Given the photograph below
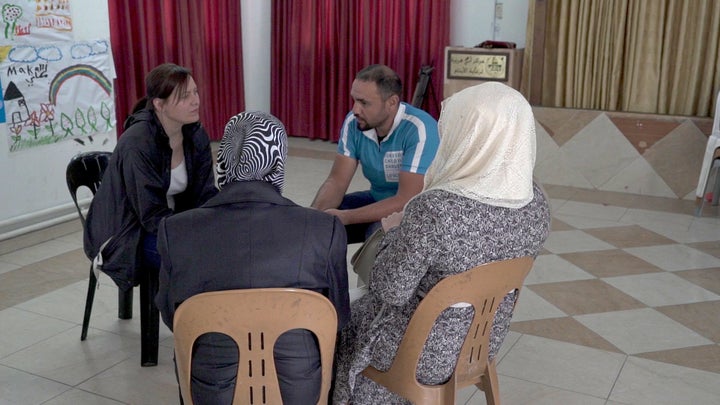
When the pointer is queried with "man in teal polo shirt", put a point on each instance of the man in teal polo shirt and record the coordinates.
(392, 140)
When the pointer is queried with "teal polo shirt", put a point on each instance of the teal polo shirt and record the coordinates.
(409, 147)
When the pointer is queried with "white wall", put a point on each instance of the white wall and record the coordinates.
(474, 21)
(256, 16)
(33, 192)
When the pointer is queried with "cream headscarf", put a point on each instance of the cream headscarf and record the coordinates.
(487, 146)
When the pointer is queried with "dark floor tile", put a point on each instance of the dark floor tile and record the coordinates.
(610, 263)
(585, 297)
(711, 248)
(708, 279)
(701, 317)
(565, 329)
(39, 278)
(705, 358)
(629, 236)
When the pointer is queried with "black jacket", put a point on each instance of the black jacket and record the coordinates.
(132, 197)
(249, 236)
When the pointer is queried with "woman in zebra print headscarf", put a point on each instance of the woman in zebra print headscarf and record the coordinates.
(250, 236)
(253, 147)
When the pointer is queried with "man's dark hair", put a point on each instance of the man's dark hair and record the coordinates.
(387, 81)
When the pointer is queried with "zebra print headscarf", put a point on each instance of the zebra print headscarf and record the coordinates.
(253, 147)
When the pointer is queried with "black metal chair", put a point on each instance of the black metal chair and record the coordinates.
(86, 170)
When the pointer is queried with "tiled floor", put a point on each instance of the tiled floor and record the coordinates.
(622, 307)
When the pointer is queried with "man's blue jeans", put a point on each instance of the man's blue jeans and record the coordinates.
(357, 233)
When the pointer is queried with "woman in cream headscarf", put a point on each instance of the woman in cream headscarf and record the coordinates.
(479, 205)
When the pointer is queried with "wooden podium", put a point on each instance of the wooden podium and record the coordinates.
(465, 67)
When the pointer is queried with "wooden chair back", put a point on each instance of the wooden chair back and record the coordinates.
(255, 318)
(484, 287)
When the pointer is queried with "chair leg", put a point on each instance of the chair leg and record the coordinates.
(92, 285)
(125, 304)
(490, 385)
(716, 189)
(698, 206)
(149, 318)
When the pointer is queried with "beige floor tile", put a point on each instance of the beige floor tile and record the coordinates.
(565, 366)
(642, 133)
(585, 297)
(75, 397)
(558, 225)
(6, 267)
(639, 178)
(675, 257)
(39, 252)
(627, 200)
(629, 236)
(556, 167)
(19, 387)
(582, 222)
(574, 241)
(650, 382)
(641, 330)
(311, 153)
(698, 357)
(708, 279)
(23, 329)
(531, 306)
(565, 329)
(711, 248)
(599, 161)
(677, 157)
(552, 268)
(66, 359)
(592, 210)
(702, 317)
(39, 278)
(609, 263)
(129, 383)
(664, 288)
(515, 391)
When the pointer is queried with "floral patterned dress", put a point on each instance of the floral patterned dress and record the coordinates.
(441, 234)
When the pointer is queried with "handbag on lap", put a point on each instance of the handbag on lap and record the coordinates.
(362, 261)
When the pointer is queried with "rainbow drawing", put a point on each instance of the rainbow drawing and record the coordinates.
(78, 70)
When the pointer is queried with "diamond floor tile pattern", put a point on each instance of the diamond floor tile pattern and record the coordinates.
(585, 297)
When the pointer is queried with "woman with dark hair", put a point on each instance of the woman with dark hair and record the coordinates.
(162, 164)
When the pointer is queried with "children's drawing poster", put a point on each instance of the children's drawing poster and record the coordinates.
(56, 91)
(35, 21)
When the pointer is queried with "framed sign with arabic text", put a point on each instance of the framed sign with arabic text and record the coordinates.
(477, 65)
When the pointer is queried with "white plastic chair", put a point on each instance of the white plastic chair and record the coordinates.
(710, 163)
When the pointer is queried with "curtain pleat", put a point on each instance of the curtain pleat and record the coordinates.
(319, 45)
(202, 36)
(652, 56)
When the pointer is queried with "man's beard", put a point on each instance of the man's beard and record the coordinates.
(362, 126)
